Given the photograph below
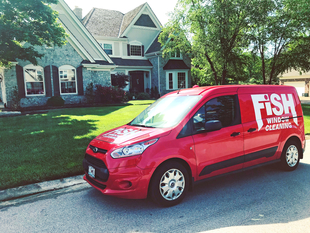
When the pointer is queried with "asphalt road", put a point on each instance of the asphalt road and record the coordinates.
(260, 200)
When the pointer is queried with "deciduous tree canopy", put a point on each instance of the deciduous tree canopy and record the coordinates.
(238, 40)
(25, 24)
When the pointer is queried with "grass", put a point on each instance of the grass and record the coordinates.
(306, 111)
(49, 146)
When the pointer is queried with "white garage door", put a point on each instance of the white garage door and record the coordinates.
(300, 86)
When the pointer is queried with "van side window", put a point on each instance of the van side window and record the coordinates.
(222, 108)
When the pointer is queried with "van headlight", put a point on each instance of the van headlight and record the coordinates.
(135, 149)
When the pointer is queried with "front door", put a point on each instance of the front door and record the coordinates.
(218, 151)
(137, 81)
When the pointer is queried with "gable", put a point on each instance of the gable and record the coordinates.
(79, 37)
(145, 21)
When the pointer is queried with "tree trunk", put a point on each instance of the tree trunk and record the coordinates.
(224, 73)
(212, 68)
(263, 64)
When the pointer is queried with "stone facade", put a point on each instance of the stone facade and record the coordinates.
(56, 56)
(159, 70)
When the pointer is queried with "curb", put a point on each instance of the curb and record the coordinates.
(36, 188)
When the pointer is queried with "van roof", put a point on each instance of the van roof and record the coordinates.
(227, 88)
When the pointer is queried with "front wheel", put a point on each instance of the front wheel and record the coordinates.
(291, 155)
(169, 184)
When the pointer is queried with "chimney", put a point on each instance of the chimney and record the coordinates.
(78, 12)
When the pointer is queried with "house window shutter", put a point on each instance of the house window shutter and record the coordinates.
(128, 49)
(48, 81)
(79, 73)
(20, 81)
(142, 52)
(56, 80)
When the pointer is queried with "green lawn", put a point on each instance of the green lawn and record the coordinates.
(49, 146)
(306, 111)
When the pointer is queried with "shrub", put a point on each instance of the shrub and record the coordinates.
(143, 96)
(154, 93)
(128, 96)
(90, 93)
(109, 94)
(15, 102)
(120, 80)
(55, 101)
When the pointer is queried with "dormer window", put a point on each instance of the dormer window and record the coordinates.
(175, 54)
(136, 50)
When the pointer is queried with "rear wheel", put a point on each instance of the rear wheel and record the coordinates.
(169, 184)
(291, 155)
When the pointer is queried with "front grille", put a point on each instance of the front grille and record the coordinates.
(103, 151)
(101, 172)
(95, 183)
(95, 161)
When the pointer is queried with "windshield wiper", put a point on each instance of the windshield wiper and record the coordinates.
(144, 126)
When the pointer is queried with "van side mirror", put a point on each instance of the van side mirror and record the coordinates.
(213, 125)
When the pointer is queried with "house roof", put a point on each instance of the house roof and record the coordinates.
(155, 46)
(101, 22)
(128, 17)
(110, 23)
(97, 62)
(79, 37)
(176, 65)
(131, 62)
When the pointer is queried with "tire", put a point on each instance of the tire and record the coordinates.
(291, 155)
(169, 184)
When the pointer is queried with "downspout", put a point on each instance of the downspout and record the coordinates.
(158, 73)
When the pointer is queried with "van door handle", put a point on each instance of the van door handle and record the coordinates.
(251, 130)
(235, 134)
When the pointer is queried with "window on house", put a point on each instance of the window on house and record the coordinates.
(108, 48)
(67, 79)
(135, 50)
(34, 80)
(175, 54)
(170, 81)
(181, 80)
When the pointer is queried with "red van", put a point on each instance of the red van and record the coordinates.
(194, 134)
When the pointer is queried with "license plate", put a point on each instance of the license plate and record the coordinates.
(91, 171)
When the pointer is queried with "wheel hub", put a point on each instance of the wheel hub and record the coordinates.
(292, 155)
(172, 184)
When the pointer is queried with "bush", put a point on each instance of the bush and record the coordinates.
(90, 93)
(154, 93)
(120, 80)
(15, 102)
(143, 96)
(128, 96)
(108, 95)
(55, 101)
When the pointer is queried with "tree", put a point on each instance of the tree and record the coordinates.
(217, 30)
(280, 35)
(26, 24)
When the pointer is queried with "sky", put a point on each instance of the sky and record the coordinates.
(161, 8)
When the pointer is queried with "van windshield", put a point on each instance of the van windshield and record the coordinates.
(166, 112)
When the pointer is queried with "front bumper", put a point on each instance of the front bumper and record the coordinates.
(124, 182)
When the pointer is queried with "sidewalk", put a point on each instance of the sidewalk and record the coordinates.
(42, 187)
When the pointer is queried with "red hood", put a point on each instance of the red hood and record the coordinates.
(131, 134)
